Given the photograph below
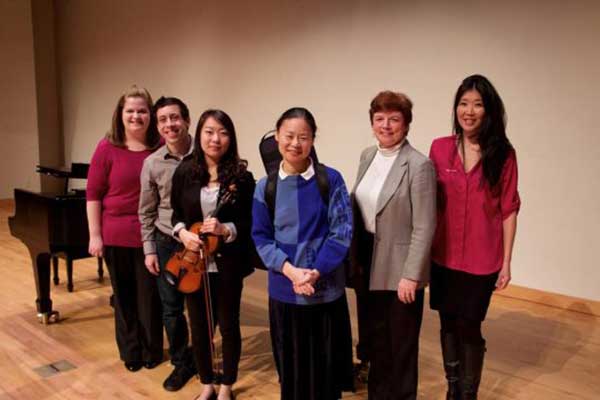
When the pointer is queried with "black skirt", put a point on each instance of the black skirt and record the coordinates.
(312, 347)
(459, 293)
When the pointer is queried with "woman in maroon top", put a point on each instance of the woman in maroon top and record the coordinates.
(478, 203)
(113, 189)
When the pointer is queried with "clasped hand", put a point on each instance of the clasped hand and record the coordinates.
(303, 280)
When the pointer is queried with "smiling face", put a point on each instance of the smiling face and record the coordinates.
(295, 139)
(470, 112)
(171, 125)
(389, 128)
(135, 116)
(214, 140)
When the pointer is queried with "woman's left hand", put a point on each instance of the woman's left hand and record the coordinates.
(406, 290)
(214, 227)
(503, 276)
(307, 287)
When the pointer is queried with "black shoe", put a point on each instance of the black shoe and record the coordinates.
(151, 364)
(177, 379)
(133, 365)
(361, 371)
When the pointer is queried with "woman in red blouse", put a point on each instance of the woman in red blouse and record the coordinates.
(478, 203)
(113, 192)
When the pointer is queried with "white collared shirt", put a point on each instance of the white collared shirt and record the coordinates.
(309, 173)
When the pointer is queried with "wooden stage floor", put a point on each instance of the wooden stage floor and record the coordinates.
(534, 351)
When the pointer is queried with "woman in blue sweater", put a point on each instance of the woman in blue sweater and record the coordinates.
(304, 245)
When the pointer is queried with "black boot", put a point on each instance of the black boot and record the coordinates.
(451, 364)
(471, 364)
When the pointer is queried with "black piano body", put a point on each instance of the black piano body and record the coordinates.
(50, 225)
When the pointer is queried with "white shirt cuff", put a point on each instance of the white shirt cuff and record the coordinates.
(232, 231)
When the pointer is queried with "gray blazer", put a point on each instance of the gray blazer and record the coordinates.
(405, 221)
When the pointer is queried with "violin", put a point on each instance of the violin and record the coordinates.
(186, 268)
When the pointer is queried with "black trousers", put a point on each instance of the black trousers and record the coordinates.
(394, 347)
(361, 290)
(225, 297)
(138, 325)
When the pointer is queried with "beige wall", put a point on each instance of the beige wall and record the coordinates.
(18, 134)
(50, 138)
(255, 59)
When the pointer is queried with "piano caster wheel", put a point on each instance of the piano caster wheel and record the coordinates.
(48, 318)
(70, 287)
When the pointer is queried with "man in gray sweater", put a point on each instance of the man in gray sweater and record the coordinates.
(173, 121)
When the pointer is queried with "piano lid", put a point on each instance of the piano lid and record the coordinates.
(76, 171)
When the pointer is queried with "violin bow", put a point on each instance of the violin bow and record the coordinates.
(226, 197)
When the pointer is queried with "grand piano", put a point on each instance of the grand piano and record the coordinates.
(52, 225)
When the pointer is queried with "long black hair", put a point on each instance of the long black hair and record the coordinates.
(230, 167)
(495, 146)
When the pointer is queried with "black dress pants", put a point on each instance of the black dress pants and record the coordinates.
(138, 325)
(394, 346)
(225, 296)
(361, 290)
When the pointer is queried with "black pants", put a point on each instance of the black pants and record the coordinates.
(394, 350)
(225, 298)
(138, 326)
(361, 290)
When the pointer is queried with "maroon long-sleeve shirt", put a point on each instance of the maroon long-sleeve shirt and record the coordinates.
(114, 180)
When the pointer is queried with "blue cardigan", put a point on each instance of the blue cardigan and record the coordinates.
(306, 232)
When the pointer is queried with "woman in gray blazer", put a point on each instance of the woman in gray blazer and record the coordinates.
(394, 221)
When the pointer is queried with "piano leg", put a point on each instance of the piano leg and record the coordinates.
(100, 270)
(69, 274)
(55, 269)
(41, 273)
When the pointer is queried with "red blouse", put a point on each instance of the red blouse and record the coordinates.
(114, 180)
(468, 236)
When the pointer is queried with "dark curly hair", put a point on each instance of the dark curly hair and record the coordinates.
(495, 146)
(231, 167)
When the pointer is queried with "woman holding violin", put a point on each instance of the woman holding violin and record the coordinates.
(215, 178)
